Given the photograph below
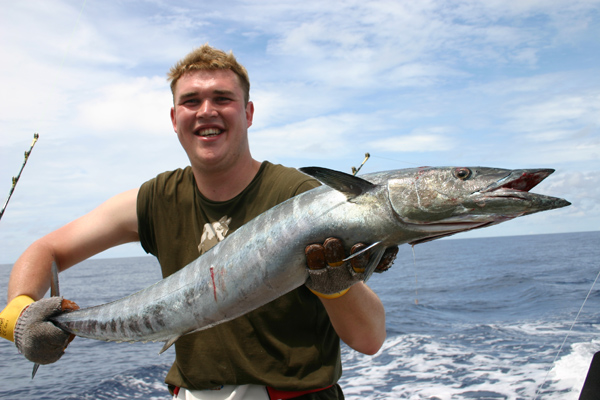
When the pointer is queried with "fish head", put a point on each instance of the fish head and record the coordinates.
(444, 201)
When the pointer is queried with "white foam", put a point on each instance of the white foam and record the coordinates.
(570, 370)
(423, 367)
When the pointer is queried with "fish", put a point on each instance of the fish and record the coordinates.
(265, 258)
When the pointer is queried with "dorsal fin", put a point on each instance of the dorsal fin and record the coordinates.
(351, 186)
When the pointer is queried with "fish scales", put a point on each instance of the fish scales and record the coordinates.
(264, 259)
(244, 268)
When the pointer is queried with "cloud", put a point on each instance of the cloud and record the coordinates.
(564, 111)
(581, 188)
(359, 44)
(139, 106)
(279, 103)
(510, 84)
(430, 140)
(313, 138)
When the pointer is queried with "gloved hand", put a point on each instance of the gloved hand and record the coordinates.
(38, 339)
(330, 277)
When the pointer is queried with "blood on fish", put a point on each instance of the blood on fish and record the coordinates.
(212, 276)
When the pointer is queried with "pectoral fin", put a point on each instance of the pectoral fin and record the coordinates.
(168, 344)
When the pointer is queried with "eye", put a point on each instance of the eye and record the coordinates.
(222, 100)
(462, 173)
(190, 102)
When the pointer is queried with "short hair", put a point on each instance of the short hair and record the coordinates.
(207, 58)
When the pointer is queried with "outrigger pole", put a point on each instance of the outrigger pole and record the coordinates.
(15, 179)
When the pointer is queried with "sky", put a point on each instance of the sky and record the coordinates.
(510, 84)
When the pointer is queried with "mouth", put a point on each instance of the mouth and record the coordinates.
(501, 198)
(444, 229)
(208, 132)
(519, 181)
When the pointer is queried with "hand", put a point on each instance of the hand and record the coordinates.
(38, 339)
(331, 277)
(386, 262)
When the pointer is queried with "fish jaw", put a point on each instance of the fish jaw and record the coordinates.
(510, 196)
(438, 202)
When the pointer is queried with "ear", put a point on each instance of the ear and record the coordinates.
(173, 119)
(249, 113)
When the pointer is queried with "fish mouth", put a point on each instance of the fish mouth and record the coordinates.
(504, 199)
(449, 228)
(518, 181)
(517, 185)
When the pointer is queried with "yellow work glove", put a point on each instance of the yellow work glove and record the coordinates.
(36, 337)
(10, 315)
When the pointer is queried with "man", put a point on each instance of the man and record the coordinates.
(289, 347)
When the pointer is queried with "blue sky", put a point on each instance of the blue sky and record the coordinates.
(490, 83)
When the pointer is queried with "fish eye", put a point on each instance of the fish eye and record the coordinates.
(462, 173)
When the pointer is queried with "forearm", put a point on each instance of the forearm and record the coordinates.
(112, 223)
(358, 317)
(31, 273)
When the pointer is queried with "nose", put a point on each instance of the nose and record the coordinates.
(206, 110)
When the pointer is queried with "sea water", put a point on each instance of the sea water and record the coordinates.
(488, 318)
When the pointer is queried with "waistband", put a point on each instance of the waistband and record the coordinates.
(273, 394)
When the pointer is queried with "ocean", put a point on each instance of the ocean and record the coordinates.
(487, 318)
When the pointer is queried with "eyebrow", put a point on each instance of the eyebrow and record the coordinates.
(188, 95)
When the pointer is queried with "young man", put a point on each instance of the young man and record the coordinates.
(291, 344)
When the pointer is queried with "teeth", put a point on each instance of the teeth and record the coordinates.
(209, 132)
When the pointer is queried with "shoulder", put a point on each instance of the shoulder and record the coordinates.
(159, 204)
(289, 180)
(169, 183)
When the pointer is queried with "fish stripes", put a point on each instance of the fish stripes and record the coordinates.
(264, 259)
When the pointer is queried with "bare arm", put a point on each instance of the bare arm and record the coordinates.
(358, 317)
(112, 223)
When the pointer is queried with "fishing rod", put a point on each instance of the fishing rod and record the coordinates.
(15, 179)
(354, 170)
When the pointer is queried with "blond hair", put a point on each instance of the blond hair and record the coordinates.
(207, 58)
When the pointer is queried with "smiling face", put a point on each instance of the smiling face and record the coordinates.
(211, 119)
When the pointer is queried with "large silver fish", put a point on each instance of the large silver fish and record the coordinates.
(265, 259)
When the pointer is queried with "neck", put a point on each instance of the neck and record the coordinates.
(223, 185)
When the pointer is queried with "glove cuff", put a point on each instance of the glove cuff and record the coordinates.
(330, 296)
(10, 315)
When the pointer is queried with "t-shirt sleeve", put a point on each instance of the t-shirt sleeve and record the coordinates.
(144, 214)
(307, 185)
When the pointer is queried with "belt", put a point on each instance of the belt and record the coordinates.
(275, 394)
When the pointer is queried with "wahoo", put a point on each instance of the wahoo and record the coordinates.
(264, 259)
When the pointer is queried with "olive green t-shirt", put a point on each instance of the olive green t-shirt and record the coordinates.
(288, 344)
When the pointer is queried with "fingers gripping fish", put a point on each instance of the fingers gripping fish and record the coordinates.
(264, 259)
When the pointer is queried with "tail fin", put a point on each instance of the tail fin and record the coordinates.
(54, 291)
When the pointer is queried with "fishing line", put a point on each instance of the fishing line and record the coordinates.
(15, 179)
(398, 161)
(416, 276)
(36, 136)
(567, 336)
